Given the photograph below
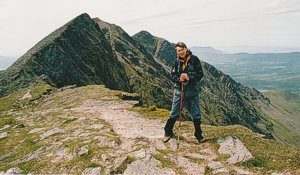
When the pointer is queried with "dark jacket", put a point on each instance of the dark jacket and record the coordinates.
(195, 73)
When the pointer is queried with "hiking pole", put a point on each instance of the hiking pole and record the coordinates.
(180, 110)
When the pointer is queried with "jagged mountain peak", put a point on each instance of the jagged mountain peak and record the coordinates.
(144, 33)
(76, 53)
(160, 48)
(146, 36)
(83, 18)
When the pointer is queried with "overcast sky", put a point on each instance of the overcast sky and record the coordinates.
(222, 24)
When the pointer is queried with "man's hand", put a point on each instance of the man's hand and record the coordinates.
(184, 77)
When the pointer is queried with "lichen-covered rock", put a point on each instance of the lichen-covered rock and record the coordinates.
(35, 130)
(142, 153)
(119, 161)
(186, 165)
(147, 165)
(83, 150)
(241, 171)
(12, 171)
(5, 127)
(51, 132)
(235, 149)
(3, 135)
(92, 171)
(32, 155)
(217, 167)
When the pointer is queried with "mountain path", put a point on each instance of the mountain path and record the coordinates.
(132, 126)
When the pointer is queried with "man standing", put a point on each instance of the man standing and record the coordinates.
(187, 68)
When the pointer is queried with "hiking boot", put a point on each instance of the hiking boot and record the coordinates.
(167, 138)
(169, 129)
(198, 131)
(169, 126)
(200, 138)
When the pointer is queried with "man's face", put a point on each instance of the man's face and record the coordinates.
(181, 52)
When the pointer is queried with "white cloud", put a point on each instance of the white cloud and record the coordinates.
(262, 23)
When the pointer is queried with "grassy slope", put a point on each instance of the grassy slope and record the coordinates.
(285, 115)
(48, 113)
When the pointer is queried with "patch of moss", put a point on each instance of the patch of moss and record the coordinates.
(152, 112)
(41, 88)
(256, 162)
(69, 121)
(7, 120)
(166, 163)
(93, 165)
(10, 101)
(222, 157)
(123, 166)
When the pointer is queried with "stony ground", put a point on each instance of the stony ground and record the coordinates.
(90, 130)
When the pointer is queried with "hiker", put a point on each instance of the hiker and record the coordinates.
(187, 69)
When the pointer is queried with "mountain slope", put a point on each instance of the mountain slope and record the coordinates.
(285, 114)
(160, 48)
(76, 53)
(146, 76)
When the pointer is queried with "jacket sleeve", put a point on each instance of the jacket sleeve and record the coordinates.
(197, 74)
(174, 72)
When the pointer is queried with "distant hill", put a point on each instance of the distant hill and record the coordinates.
(263, 71)
(199, 50)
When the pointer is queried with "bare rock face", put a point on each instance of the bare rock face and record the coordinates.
(242, 171)
(15, 170)
(235, 148)
(60, 154)
(96, 126)
(83, 150)
(3, 135)
(119, 161)
(30, 156)
(147, 165)
(92, 171)
(172, 144)
(35, 130)
(142, 153)
(51, 132)
(27, 95)
(217, 167)
(5, 126)
(186, 165)
(5, 156)
(104, 142)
